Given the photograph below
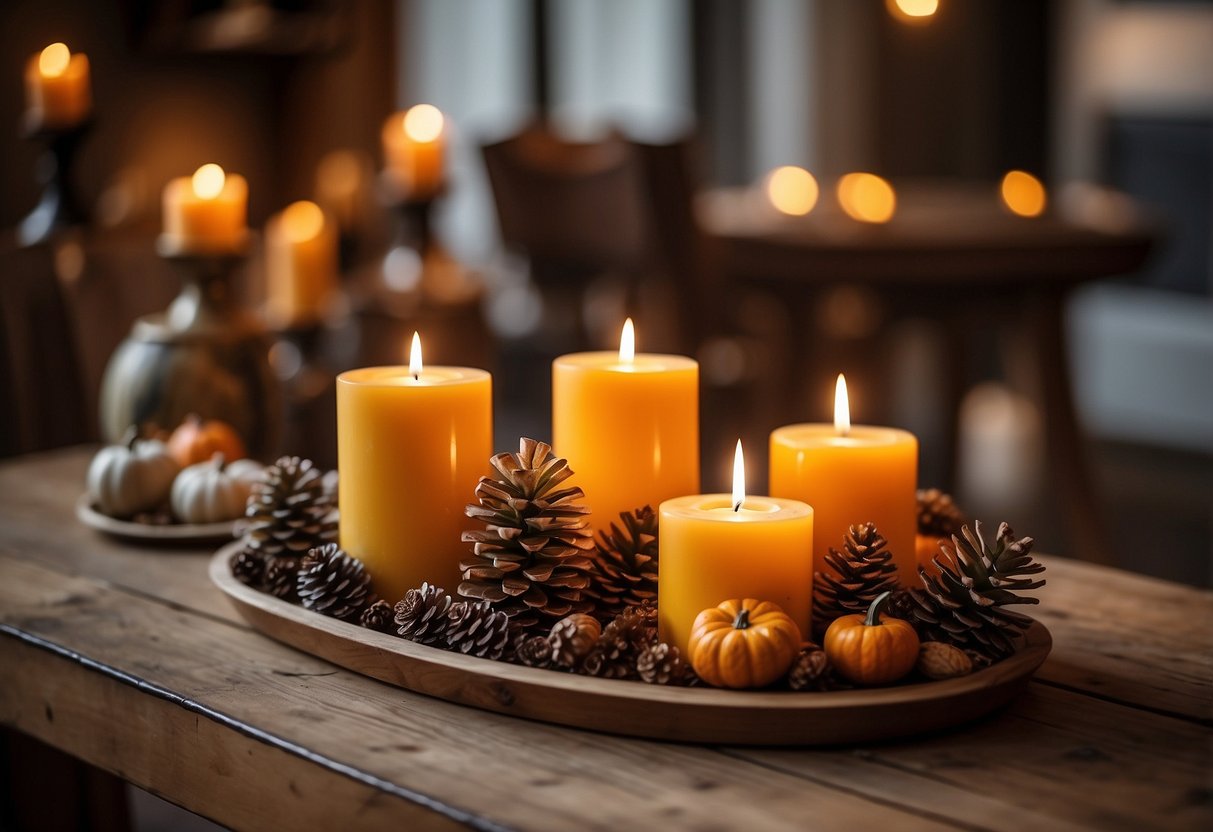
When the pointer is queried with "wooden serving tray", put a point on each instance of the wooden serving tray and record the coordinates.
(702, 715)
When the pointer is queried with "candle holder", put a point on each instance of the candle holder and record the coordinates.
(59, 207)
(204, 354)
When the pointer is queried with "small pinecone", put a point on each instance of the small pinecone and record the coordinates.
(534, 651)
(938, 514)
(662, 664)
(421, 615)
(333, 583)
(855, 577)
(811, 670)
(614, 657)
(966, 604)
(625, 568)
(248, 567)
(901, 605)
(378, 616)
(476, 628)
(573, 637)
(281, 578)
(289, 512)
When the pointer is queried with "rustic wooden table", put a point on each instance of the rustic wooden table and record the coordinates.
(129, 659)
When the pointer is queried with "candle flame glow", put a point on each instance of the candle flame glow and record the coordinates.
(792, 190)
(914, 8)
(1023, 194)
(302, 220)
(842, 407)
(866, 197)
(415, 365)
(423, 123)
(738, 477)
(208, 181)
(54, 60)
(627, 343)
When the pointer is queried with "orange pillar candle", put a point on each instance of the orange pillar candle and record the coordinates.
(300, 265)
(629, 426)
(414, 146)
(206, 213)
(850, 475)
(57, 88)
(720, 546)
(412, 442)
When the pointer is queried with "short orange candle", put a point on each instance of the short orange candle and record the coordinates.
(720, 546)
(851, 475)
(300, 265)
(206, 213)
(57, 87)
(414, 147)
(412, 442)
(629, 426)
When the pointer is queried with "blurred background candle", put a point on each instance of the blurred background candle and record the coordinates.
(629, 426)
(414, 148)
(850, 475)
(411, 444)
(720, 546)
(300, 264)
(206, 213)
(57, 88)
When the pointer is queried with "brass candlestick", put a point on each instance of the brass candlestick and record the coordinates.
(58, 207)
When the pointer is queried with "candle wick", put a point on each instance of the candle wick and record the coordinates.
(737, 505)
(416, 376)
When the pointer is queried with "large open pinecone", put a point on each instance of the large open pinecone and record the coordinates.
(289, 511)
(421, 614)
(625, 567)
(478, 629)
(863, 570)
(531, 561)
(333, 583)
(967, 603)
(938, 514)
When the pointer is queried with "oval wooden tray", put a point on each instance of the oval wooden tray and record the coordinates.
(701, 715)
(167, 533)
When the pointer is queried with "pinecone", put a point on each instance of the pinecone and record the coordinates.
(901, 605)
(531, 562)
(534, 651)
(248, 567)
(421, 614)
(333, 583)
(478, 629)
(281, 578)
(625, 569)
(856, 576)
(378, 616)
(938, 514)
(614, 657)
(289, 511)
(662, 664)
(967, 603)
(811, 670)
(573, 637)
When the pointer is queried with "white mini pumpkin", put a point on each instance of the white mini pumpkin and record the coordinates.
(131, 477)
(212, 491)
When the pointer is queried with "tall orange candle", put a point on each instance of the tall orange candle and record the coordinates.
(300, 264)
(58, 91)
(850, 475)
(720, 546)
(414, 147)
(206, 213)
(629, 426)
(412, 442)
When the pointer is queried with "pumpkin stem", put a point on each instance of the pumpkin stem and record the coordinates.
(219, 460)
(130, 437)
(742, 621)
(873, 619)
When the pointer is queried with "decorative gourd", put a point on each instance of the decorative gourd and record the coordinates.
(197, 441)
(870, 651)
(211, 492)
(131, 477)
(743, 644)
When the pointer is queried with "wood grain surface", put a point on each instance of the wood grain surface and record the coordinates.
(130, 659)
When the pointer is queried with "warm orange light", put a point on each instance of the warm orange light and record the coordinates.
(302, 221)
(792, 190)
(54, 60)
(423, 123)
(415, 364)
(866, 197)
(842, 407)
(208, 181)
(627, 343)
(1023, 194)
(916, 9)
(738, 477)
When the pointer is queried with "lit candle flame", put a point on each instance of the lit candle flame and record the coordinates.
(208, 181)
(627, 343)
(302, 221)
(738, 477)
(423, 123)
(842, 407)
(792, 190)
(415, 357)
(866, 197)
(914, 8)
(1023, 194)
(54, 60)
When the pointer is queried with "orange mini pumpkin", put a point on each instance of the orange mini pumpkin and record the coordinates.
(197, 441)
(743, 644)
(869, 651)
